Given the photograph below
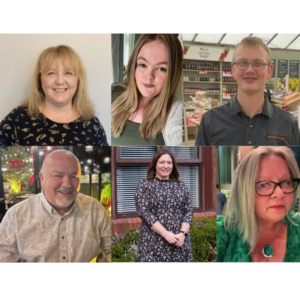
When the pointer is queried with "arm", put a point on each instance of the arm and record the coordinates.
(8, 130)
(187, 219)
(172, 131)
(100, 134)
(202, 135)
(295, 133)
(105, 234)
(142, 207)
(8, 238)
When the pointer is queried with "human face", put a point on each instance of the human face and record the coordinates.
(273, 208)
(151, 69)
(251, 81)
(59, 84)
(164, 167)
(60, 181)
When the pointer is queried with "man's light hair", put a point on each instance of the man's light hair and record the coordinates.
(252, 42)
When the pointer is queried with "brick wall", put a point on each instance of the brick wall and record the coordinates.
(121, 225)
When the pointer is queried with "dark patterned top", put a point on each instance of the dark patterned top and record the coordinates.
(232, 248)
(169, 203)
(17, 128)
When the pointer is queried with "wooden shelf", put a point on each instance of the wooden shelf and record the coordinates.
(190, 70)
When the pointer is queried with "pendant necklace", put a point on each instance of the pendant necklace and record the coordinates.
(268, 250)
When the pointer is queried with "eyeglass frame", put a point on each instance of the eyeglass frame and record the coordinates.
(250, 63)
(278, 184)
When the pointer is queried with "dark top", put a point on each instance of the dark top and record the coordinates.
(131, 136)
(169, 203)
(17, 128)
(232, 248)
(228, 125)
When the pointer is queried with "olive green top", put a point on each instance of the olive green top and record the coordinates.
(131, 136)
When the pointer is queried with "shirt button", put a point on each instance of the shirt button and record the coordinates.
(62, 219)
(62, 237)
(251, 126)
(64, 257)
(249, 143)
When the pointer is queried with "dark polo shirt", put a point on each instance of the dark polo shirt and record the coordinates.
(228, 125)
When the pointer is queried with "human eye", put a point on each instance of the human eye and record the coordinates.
(263, 185)
(161, 69)
(141, 65)
(258, 64)
(50, 73)
(286, 183)
(242, 64)
(58, 175)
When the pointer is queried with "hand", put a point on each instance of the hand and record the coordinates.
(180, 239)
(170, 237)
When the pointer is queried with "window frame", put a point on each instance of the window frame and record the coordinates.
(206, 175)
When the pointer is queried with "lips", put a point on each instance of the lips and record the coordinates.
(60, 90)
(250, 79)
(277, 207)
(148, 86)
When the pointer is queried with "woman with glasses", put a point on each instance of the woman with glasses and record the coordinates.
(260, 218)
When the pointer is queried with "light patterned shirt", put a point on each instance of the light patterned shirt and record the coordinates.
(33, 231)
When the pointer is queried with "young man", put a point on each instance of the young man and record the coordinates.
(249, 119)
(59, 224)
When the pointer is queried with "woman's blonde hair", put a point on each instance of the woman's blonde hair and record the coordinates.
(240, 209)
(81, 101)
(156, 113)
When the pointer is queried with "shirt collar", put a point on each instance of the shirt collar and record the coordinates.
(236, 108)
(50, 209)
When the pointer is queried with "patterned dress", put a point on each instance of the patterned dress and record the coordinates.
(17, 128)
(169, 203)
(232, 248)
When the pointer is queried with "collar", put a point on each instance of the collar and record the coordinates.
(162, 180)
(47, 206)
(236, 108)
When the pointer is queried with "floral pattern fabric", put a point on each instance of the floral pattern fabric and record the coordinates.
(232, 248)
(17, 128)
(169, 203)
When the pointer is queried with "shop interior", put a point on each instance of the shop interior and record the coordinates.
(20, 167)
(207, 81)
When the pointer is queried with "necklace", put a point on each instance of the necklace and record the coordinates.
(268, 250)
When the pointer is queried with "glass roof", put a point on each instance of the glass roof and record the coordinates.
(273, 40)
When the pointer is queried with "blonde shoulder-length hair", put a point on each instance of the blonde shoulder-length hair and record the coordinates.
(156, 113)
(240, 209)
(81, 101)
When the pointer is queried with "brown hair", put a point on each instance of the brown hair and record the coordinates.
(81, 101)
(174, 176)
(252, 42)
(156, 113)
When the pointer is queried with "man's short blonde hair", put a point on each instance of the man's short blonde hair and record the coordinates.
(252, 42)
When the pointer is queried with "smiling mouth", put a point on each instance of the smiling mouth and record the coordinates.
(60, 90)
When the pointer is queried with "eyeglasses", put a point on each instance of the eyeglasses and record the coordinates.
(267, 188)
(243, 65)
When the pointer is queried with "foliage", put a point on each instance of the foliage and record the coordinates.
(203, 235)
(18, 164)
(202, 232)
(124, 246)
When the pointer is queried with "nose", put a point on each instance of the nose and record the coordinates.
(149, 74)
(60, 79)
(66, 183)
(250, 68)
(278, 192)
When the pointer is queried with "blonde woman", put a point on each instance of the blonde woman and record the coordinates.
(58, 110)
(260, 223)
(146, 112)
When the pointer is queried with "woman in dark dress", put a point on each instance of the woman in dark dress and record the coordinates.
(163, 203)
(58, 110)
